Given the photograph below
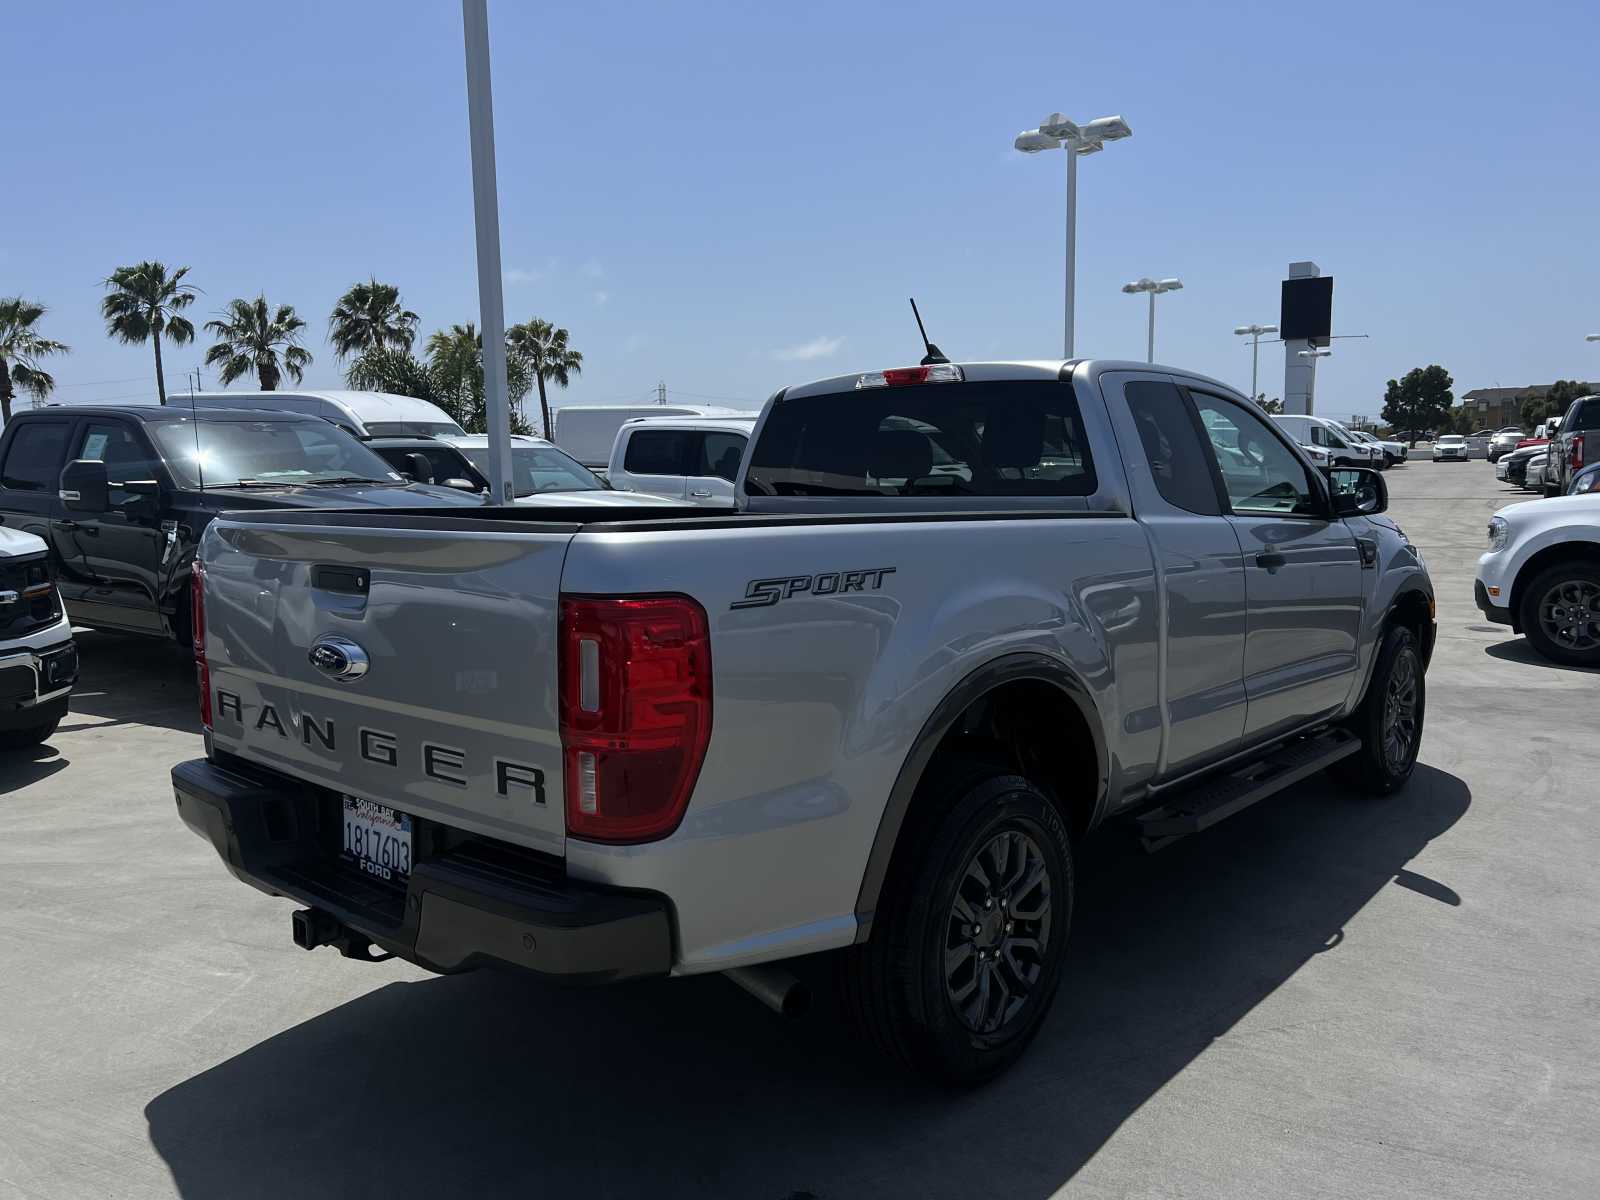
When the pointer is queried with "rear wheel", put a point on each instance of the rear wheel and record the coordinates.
(21, 739)
(1560, 613)
(1389, 721)
(966, 948)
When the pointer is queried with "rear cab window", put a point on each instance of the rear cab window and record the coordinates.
(976, 438)
(658, 452)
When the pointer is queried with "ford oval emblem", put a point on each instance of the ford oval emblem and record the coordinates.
(339, 658)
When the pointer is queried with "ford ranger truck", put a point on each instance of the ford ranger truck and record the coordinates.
(958, 616)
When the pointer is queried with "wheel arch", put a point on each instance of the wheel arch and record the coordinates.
(1010, 677)
(1548, 556)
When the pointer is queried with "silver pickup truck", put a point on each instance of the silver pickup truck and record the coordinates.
(959, 616)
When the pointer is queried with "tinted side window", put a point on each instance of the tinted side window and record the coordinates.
(658, 452)
(122, 450)
(1583, 415)
(1000, 438)
(1178, 459)
(720, 454)
(1261, 475)
(33, 464)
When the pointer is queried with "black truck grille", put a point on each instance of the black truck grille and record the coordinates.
(28, 598)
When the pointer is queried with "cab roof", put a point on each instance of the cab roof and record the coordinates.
(152, 414)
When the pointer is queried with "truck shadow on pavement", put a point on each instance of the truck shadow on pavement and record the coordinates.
(1519, 651)
(19, 768)
(493, 1084)
(128, 680)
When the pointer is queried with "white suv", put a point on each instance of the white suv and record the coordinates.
(687, 458)
(1541, 576)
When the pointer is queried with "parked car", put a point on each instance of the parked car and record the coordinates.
(1450, 447)
(689, 458)
(38, 660)
(1392, 452)
(123, 494)
(1533, 474)
(364, 414)
(1585, 481)
(875, 710)
(545, 474)
(1504, 442)
(1541, 576)
(1330, 437)
(1516, 462)
(1577, 443)
(430, 460)
(588, 431)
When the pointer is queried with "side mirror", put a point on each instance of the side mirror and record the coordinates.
(461, 485)
(1357, 491)
(417, 467)
(84, 486)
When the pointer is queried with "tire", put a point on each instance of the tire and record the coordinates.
(21, 739)
(1383, 764)
(951, 1027)
(1388, 461)
(1560, 613)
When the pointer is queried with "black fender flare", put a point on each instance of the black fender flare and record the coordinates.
(1009, 668)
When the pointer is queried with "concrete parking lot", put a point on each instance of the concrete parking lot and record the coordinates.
(1324, 996)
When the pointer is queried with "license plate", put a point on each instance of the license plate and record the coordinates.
(377, 839)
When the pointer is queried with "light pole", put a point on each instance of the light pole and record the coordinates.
(1155, 287)
(1055, 132)
(1255, 332)
(486, 220)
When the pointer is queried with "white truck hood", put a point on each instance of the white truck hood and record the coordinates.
(14, 543)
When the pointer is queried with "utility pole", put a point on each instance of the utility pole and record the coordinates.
(661, 392)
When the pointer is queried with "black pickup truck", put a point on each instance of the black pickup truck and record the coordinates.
(122, 494)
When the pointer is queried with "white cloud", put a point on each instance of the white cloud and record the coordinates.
(520, 275)
(634, 343)
(593, 270)
(601, 297)
(817, 347)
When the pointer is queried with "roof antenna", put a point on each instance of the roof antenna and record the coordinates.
(194, 419)
(934, 354)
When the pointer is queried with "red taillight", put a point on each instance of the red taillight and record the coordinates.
(197, 633)
(1575, 455)
(635, 696)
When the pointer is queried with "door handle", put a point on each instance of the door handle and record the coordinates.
(701, 495)
(1271, 560)
(68, 525)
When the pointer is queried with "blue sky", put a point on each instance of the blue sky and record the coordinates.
(731, 197)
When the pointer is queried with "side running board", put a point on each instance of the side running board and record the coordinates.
(1221, 796)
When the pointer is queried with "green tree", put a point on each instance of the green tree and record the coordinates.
(370, 317)
(252, 338)
(396, 371)
(455, 362)
(143, 302)
(1556, 401)
(544, 350)
(21, 348)
(1419, 400)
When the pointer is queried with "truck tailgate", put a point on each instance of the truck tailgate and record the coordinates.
(455, 717)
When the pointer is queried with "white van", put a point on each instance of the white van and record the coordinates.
(588, 431)
(687, 458)
(365, 414)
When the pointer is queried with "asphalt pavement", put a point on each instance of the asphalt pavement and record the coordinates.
(1325, 996)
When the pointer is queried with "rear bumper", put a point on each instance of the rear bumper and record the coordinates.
(1480, 594)
(459, 910)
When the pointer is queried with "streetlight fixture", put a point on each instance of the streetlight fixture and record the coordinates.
(1254, 332)
(1315, 353)
(1155, 287)
(1055, 132)
(1591, 337)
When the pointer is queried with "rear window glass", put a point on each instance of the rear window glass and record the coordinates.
(1584, 414)
(658, 452)
(1003, 438)
(33, 464)
(412, 429)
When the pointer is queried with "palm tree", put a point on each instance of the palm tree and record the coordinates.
(544, 350)
(144, 302)
(21, 347)
(249, 340)
(369, 317)
(455, 364)
(395, 371)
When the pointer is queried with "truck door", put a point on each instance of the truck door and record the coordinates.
(1196, 550)
(120, 563)
(716, 455)
(656, 461)
(1302, 570)
(30, 480)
